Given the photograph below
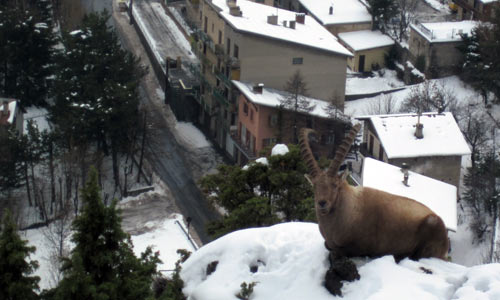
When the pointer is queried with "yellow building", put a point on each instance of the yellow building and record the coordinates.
(369, 48)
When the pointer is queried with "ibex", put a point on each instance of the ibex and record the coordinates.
(360, 221)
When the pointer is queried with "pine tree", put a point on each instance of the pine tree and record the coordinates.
(16, 281)
(26, 51)
(96, 97)
(482, 192)
(260, 195)
(11, 161)
(102, 264)
(382, 11)
(481, 62)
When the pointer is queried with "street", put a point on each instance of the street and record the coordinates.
(165, 155)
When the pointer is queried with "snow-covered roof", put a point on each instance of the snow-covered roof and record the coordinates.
(442, 137)
(365, 39)
(439, 196)
(254, 20)
(488, 1)
(444, 31)
(344, 11)
(271, 97)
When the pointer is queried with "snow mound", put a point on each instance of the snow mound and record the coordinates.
(279, 149)
(262, 160)
(289, 262)
(189, 135)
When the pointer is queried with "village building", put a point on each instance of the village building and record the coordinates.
(439, 196)
(431, 144)
(368, 47)
(252, 42)
(433, 46)
(261, 122)
(10, 115)
(482, 10)
(335, 15)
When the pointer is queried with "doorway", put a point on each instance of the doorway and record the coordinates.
(361, 67)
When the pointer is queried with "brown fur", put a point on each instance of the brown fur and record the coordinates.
(358, 221)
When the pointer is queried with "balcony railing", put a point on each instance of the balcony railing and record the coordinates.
(220, 97)
(222, 77)
(244, 149)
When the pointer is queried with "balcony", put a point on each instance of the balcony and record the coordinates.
(222, 77)
(235, 63)
(242, 147)
(219, 50)
(216, 94)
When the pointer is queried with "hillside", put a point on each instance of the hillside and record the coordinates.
(291, 262)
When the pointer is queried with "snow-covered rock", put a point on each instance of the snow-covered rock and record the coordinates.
(291, 263)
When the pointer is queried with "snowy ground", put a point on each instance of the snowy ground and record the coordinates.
(291, 262)
(378, 83)
(38, 116)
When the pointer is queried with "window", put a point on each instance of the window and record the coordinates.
(297, 60)
(245, 109)
(205, 25)
(236, 51)
(212, 27)
(273, 120)
(233, 119)
(330, 139)
(251, 115)
(269, 142)
(220, 37)
(309, 122)
(228, 46)
(200, 16)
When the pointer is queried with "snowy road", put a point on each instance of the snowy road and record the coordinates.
(165, 155)
(161, 31)
(168, 161)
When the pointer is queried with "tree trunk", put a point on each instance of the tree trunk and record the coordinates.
(141, 158)
(26, 177)
(51, 170)
(116, 171)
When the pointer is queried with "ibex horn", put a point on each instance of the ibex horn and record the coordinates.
(305, 150)
(342, 150)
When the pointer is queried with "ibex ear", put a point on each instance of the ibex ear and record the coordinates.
(308, 178)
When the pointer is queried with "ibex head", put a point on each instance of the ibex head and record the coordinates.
(327, 183)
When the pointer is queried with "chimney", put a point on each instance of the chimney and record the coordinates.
(419, 131)
(292, 24)
(404, 168)
(257, 89)
(234, 10)
(5, 110)
(330, 11)
(300, 18)
(273, 20)
(284, 23)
